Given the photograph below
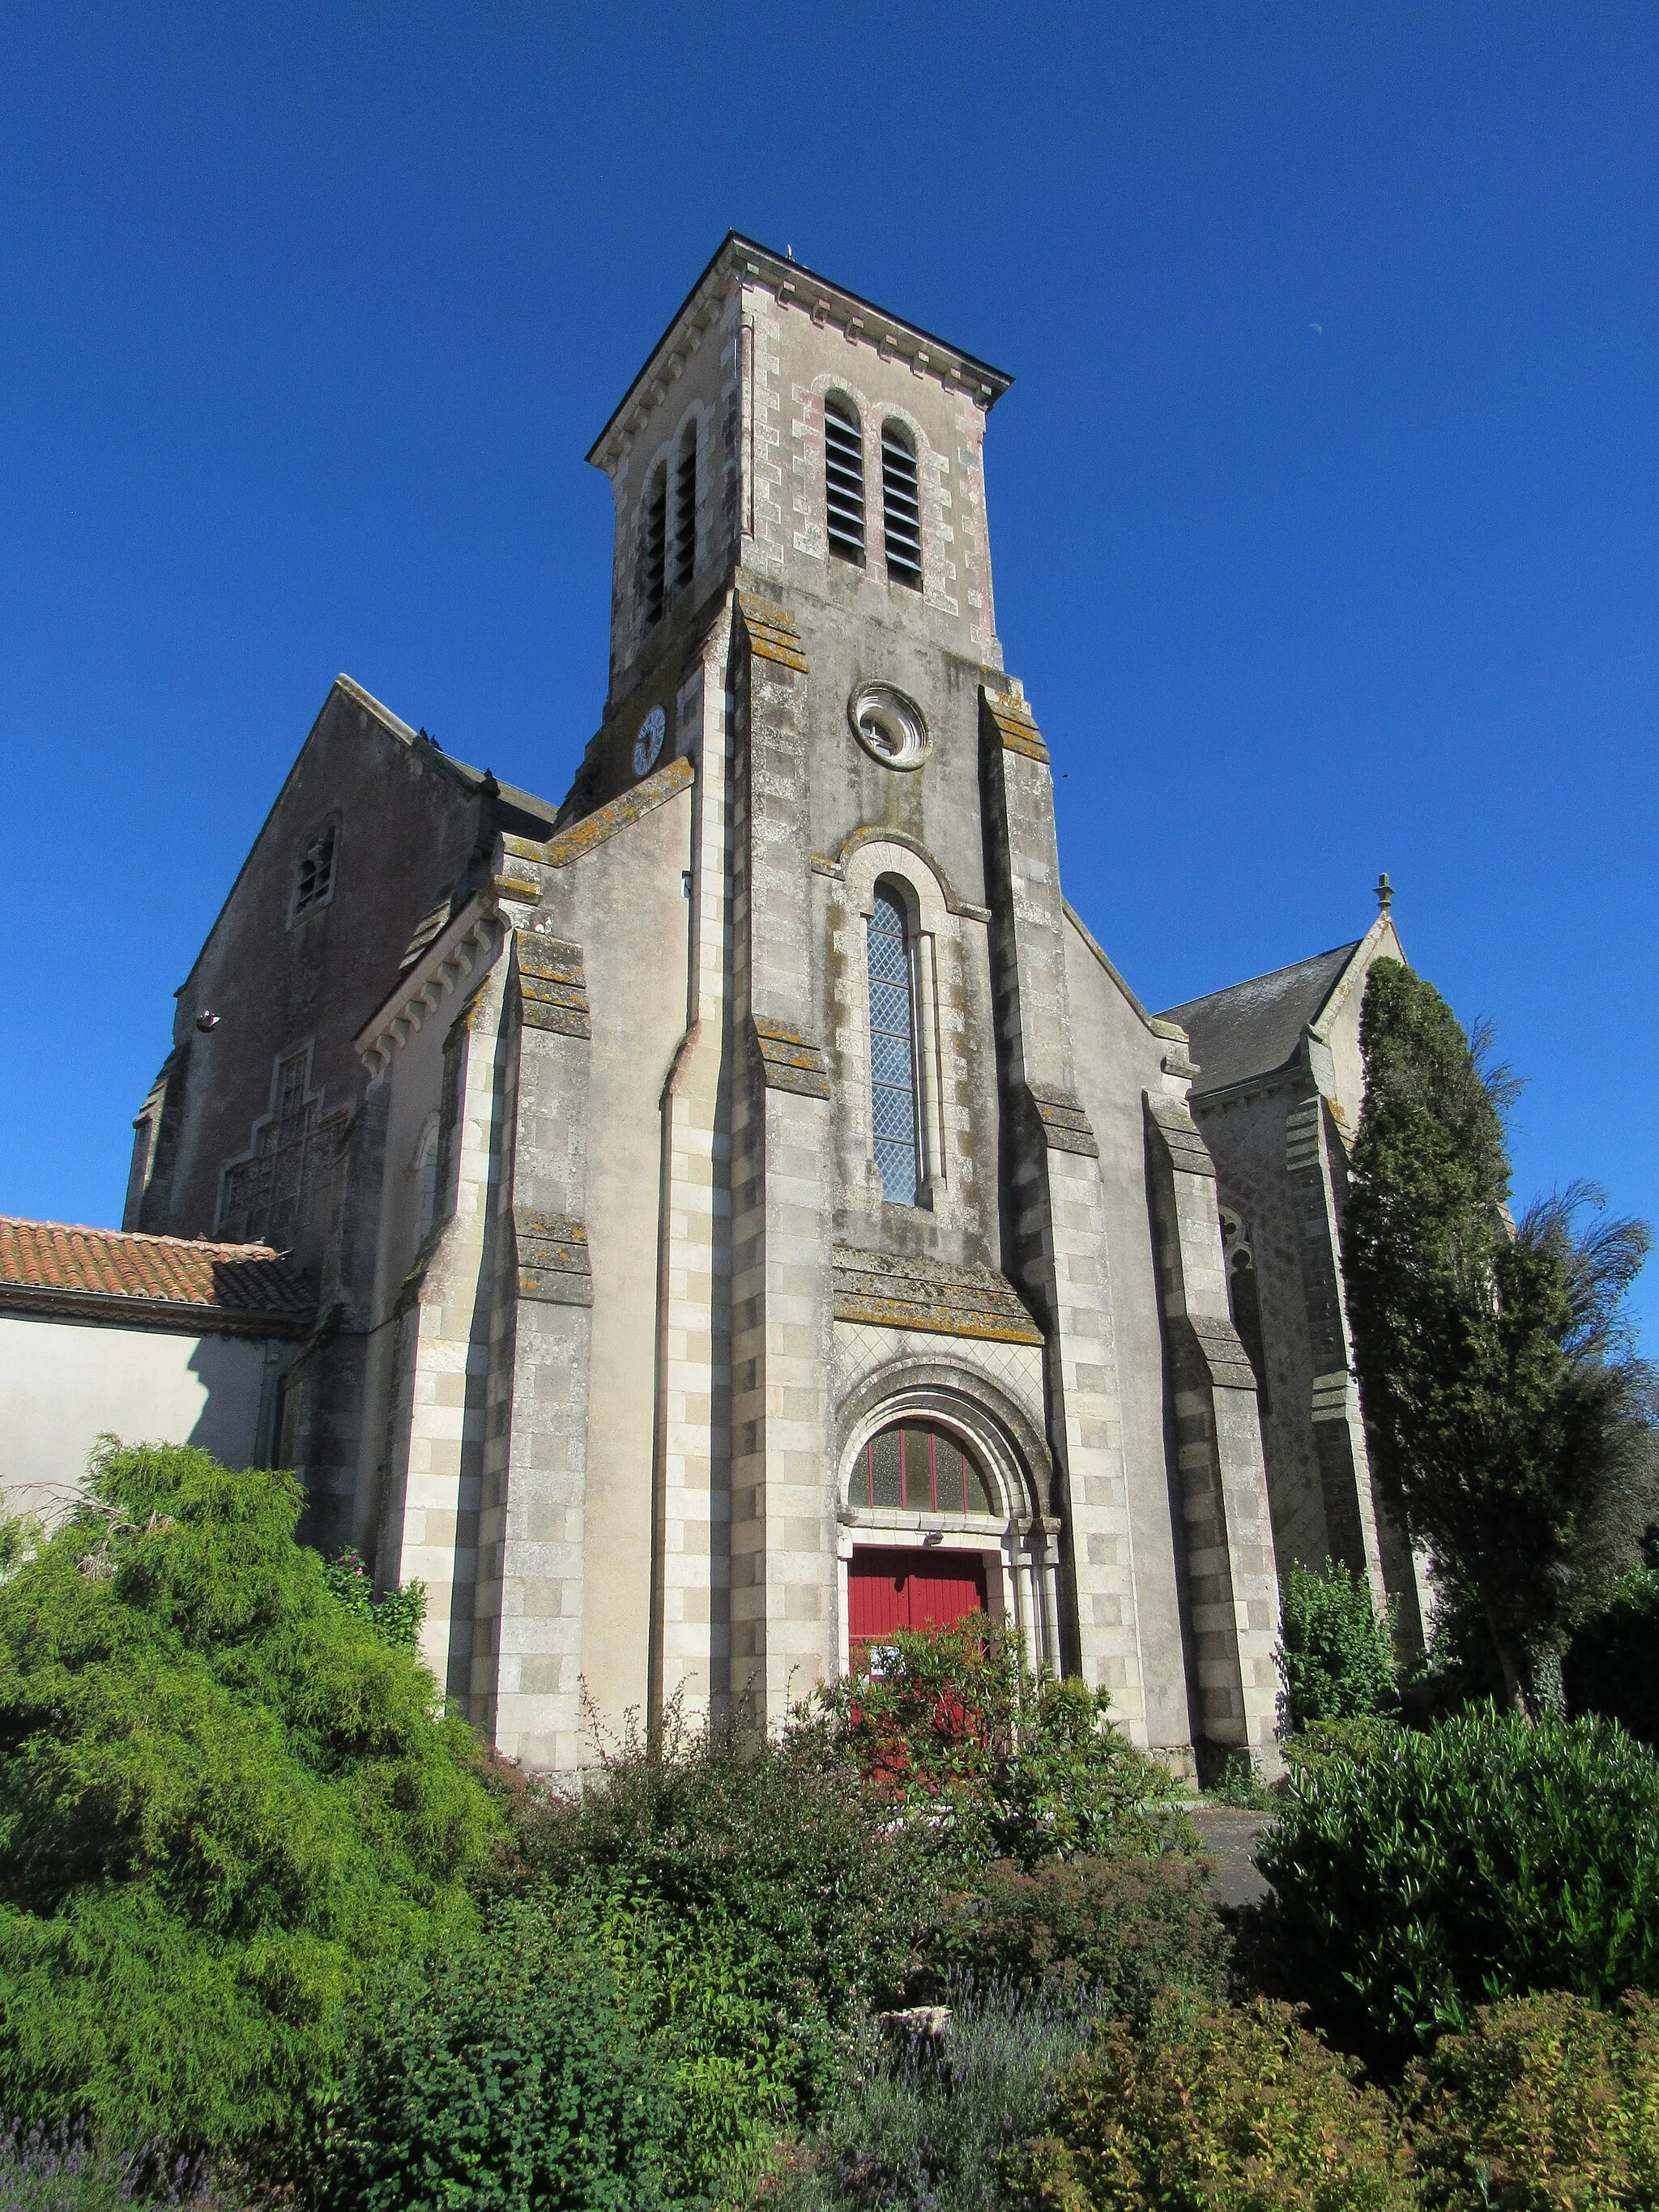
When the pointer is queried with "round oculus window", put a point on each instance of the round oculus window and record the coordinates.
(649, 743)
(891, 728)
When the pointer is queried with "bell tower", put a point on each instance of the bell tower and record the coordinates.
(786, 428)
(887, 1210)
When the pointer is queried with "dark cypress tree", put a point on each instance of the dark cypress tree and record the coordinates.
(1511, 1425)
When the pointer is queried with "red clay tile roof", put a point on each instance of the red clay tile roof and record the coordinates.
(245, 1286)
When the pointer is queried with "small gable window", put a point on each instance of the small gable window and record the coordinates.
(843, 478)
(314, 874)
(685, 510)
(892, 1050)
(653, 557)
(900, 506)
(918, 1468)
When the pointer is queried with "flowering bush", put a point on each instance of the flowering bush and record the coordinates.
(953, 1724)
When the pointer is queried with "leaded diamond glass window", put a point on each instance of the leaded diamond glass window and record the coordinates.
(261, 1196)
(892, 1051)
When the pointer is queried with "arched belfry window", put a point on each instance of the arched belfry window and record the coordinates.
(653, 555)
(893, 1049)
(916, 1466)
(900, 506)
(685, 509)
(843, 478)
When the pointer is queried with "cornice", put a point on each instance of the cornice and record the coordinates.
(451, 961)
(170, 1317)
(739, 262)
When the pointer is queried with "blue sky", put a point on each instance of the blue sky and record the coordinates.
(1323, 506)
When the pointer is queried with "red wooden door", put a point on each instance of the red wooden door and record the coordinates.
(887, 1590)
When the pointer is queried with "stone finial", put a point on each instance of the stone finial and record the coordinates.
(1384, 895)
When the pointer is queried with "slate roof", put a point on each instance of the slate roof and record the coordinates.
(1255, 1028)
(172, 1281)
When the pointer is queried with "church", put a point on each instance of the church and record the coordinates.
(741, 1208)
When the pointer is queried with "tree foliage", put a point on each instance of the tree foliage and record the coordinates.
(1612, 1665)
(1512, 1425)
(224, 1800)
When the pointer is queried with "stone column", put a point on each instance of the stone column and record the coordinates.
(1052, 1172)
(784, 1630)
(1232, 1583)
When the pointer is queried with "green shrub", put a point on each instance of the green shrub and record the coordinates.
(785, 1864)
(1544, 2105)
(223, 1801)
(731, 2043)
(1336, 1655)
(921, 2124)
(1483, 1859)
(1323, 1743)
(1238, 1783)
(1612, 1665)
(396, 1617)
(512, 2072)
(1240, 2112)
(1001, 1761)
(1138, 1934)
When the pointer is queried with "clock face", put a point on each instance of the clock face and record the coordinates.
(649, 743)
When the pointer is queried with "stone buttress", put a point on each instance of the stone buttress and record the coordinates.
(1052, 1180)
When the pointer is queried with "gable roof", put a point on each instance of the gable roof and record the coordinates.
(1256, 1028)
(139, 1281)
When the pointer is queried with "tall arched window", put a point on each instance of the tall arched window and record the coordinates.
(653, 555)
(893, 1050)
(843, 478)
(685, 509)
(900, 506)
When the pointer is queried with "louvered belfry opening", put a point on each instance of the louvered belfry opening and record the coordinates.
(655, 562)
(901, 507)
(843, 478)
(892, 1051)
(314, 876)
(685, 510)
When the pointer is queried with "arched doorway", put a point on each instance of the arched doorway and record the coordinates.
(934, 1526)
